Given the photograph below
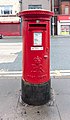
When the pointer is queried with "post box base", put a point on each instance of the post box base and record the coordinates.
(38, 94)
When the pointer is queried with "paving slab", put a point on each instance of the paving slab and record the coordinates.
(62, 89)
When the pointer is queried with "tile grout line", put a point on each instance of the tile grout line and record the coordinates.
(58, 112)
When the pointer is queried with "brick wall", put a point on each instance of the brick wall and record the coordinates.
(56, 3)
(63, 5)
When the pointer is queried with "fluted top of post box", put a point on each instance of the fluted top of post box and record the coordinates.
(36, 14)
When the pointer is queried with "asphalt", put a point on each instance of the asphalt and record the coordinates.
(12, 108)
(11, 53)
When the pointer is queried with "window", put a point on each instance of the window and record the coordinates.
(65, 29)
(34, 6)
(66, 10)
(6, 9)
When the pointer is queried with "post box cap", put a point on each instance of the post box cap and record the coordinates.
(35, 14)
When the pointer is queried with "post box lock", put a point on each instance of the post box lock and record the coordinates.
(45, 56)
(37, 21)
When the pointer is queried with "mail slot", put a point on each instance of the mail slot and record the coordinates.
(37, 26)
(36, 56)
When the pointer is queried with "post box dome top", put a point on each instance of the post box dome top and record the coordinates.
(35, 14)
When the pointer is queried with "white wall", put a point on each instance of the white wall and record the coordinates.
(15, 3)
(58, 28)
(45, 4)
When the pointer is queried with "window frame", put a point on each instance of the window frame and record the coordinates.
(6, 9)
(35, 6)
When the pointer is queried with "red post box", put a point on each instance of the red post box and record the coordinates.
(36, 56)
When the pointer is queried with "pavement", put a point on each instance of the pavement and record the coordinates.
(12, 108)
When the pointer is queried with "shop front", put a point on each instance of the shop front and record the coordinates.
(63, 25)
(10, 26)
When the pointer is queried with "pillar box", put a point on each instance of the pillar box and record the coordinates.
(36, 56)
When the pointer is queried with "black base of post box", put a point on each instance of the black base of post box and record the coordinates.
(35, 94)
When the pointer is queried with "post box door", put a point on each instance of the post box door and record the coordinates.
(37, 60)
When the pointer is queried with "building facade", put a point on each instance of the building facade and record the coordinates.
(36, 4)
(65, 7)
(63, 18)
(9, 21)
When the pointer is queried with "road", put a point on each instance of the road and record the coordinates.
(11, 53)
(60, 53)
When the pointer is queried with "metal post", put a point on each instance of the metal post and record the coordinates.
(53, 18)
(20, 1)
